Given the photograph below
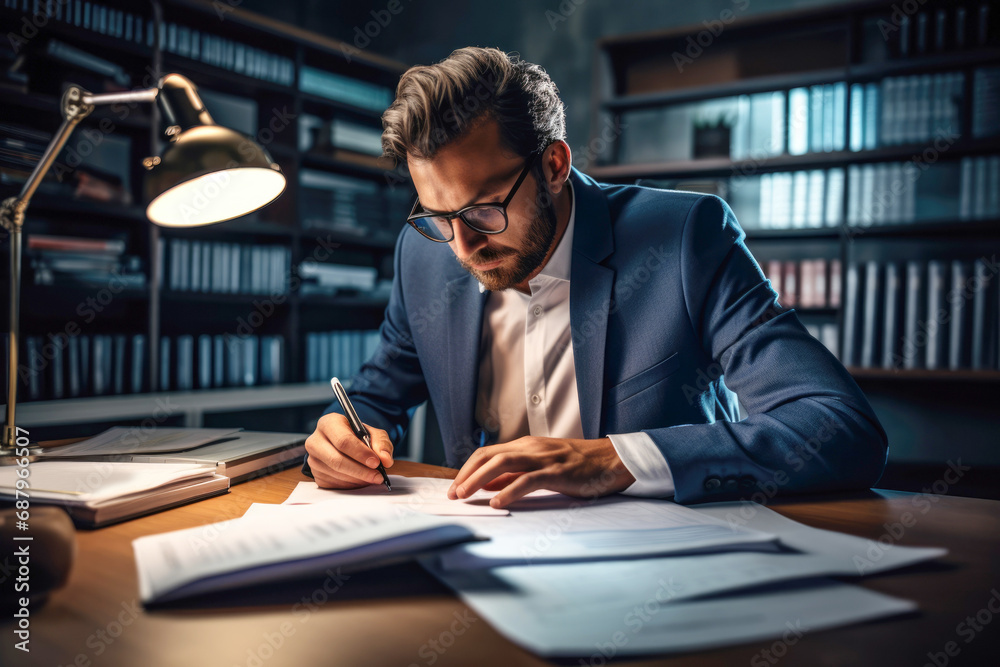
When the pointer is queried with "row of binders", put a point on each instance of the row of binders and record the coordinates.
(224, 360)
(908, 192)
(787, 200)
(914, 29)
(226, 268)
(338, 353)
(173, 38)
(937, 314)
(806, 283)
(823, 118)
(61, 366)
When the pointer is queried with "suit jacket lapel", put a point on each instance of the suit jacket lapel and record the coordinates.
(464, 327)
(590, 298)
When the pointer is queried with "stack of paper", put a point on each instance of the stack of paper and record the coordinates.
(100, 492)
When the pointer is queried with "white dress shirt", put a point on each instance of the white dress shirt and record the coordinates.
(527, 378)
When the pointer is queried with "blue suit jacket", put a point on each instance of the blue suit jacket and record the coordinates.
(671, 320)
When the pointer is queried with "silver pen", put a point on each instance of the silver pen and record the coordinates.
(356, 425)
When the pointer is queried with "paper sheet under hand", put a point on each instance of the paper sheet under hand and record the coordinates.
(409, 495)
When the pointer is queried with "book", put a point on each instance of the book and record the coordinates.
(850, 341)
(97, 493)
(937, 314)
(870, 329)
(893, 316)
(914, 313)
(307, 540)
(960, 322)
(985, 322)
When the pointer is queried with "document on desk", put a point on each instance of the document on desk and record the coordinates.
(409, 495)
(617, 608)
(663, 605)
(587, 529)
(266, 548)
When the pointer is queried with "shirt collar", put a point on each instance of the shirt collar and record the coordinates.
(559, 264)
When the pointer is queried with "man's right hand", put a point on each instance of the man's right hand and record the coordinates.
(340, 460)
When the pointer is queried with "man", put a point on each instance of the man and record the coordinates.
(594, 337)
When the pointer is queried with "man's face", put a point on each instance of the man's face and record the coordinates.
(475, 169)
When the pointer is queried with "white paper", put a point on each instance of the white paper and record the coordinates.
(94, 482)
(849, 555)
(624, 608)
(409, 495)
(273, 544)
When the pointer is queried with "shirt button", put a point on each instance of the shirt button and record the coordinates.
(537, 311)
(536, 399)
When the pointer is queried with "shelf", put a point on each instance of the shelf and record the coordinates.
(52, 204)
(797, 233)
(726, 167)
(310, 98)
(949, 228)
(817, 311)
(342, 160)
(761, 84)
(134, 121)
(335, 236)
(932, 62)
(359, 301)
(189, 404)
(221, 298)
(230, 228)
(921, 374)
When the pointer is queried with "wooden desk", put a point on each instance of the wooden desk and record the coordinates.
(391, 617)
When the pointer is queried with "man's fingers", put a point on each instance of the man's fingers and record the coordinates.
(330, 480)
(340, 436)
(497, 465)
(502, 481)
(519, 488)
(382, 445)
(478, 459)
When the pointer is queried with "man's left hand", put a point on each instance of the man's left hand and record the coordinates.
(576, 467)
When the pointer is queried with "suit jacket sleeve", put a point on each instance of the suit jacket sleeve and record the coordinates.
(390, 384)
(809, 427)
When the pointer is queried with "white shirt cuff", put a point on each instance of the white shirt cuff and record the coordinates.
(647, 464)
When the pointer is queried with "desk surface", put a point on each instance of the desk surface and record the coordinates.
(404, 617)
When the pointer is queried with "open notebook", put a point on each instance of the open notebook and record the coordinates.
(257, 548)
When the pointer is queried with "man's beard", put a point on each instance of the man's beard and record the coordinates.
(537, 242)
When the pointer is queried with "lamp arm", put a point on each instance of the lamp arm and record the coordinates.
(76, 105)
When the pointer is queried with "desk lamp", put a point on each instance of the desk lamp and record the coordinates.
(206, 174)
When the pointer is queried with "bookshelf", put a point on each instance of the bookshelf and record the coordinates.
(217, 317)
(861, 143)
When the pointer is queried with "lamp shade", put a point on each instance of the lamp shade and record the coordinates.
(210, 174)
(207, 173)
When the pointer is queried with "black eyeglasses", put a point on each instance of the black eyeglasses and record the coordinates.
(489, 218)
